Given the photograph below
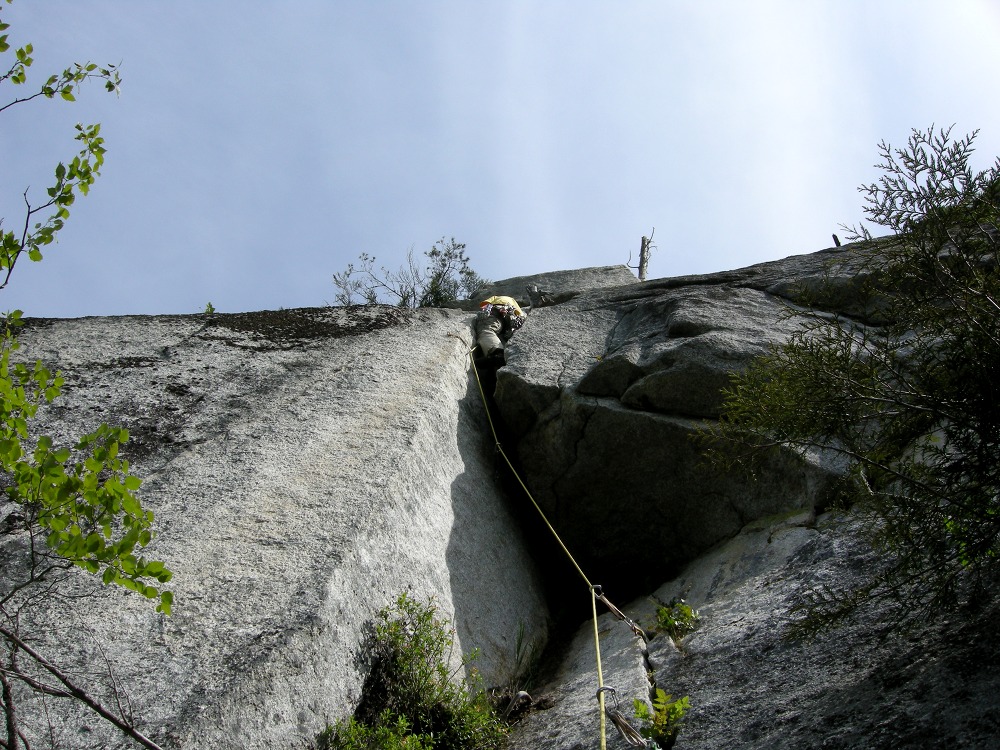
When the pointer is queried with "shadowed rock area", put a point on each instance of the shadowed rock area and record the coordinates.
(305, 466)
(605, 393)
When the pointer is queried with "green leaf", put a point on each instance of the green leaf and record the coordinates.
(131, 506)
(166, 601)
(128, 562)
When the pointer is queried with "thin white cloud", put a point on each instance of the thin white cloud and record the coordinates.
(256, 149)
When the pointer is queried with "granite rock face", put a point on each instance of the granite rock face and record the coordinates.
(605, 393)
(864, 686)
(305, 467)
(561, 285)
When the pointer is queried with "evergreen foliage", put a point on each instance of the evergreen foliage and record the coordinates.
(904, 392)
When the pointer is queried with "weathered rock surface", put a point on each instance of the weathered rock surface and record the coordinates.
(568, 283)
(567, 712)
(605, 393)
(305, 467)
(861, 686)
(562, 285)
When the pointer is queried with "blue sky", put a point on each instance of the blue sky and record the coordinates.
(257, 148)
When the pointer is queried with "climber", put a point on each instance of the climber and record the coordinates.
(498, 318)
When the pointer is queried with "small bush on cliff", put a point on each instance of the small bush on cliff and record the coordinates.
(677, 619)
(411, 698)
(446, 278)
(663, 722)
(905, 393)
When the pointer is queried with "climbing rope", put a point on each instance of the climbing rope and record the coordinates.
(617, 718)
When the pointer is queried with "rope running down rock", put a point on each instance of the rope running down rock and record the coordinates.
(627, 731)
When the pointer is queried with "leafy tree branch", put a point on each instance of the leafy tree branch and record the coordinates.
(61, 508)
(76, 176)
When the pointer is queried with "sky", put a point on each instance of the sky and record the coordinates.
(257, 148)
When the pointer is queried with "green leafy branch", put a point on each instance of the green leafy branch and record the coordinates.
(72, 507)
(83, 499)
(65, 84)
(75, 177)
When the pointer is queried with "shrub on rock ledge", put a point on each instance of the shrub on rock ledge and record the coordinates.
(411, 698)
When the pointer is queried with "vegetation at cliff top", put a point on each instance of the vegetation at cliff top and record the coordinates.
(903, 392)
(446, 277)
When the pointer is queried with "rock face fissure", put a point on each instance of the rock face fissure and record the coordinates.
(297, 490)
(643, 365)
(306, 466)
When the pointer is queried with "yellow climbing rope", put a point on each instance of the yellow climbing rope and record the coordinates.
(595, 591)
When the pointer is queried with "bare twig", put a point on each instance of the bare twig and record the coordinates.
(34, 684)
(10, 716)
(77, 692)
(645, 249)
(126, 710)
